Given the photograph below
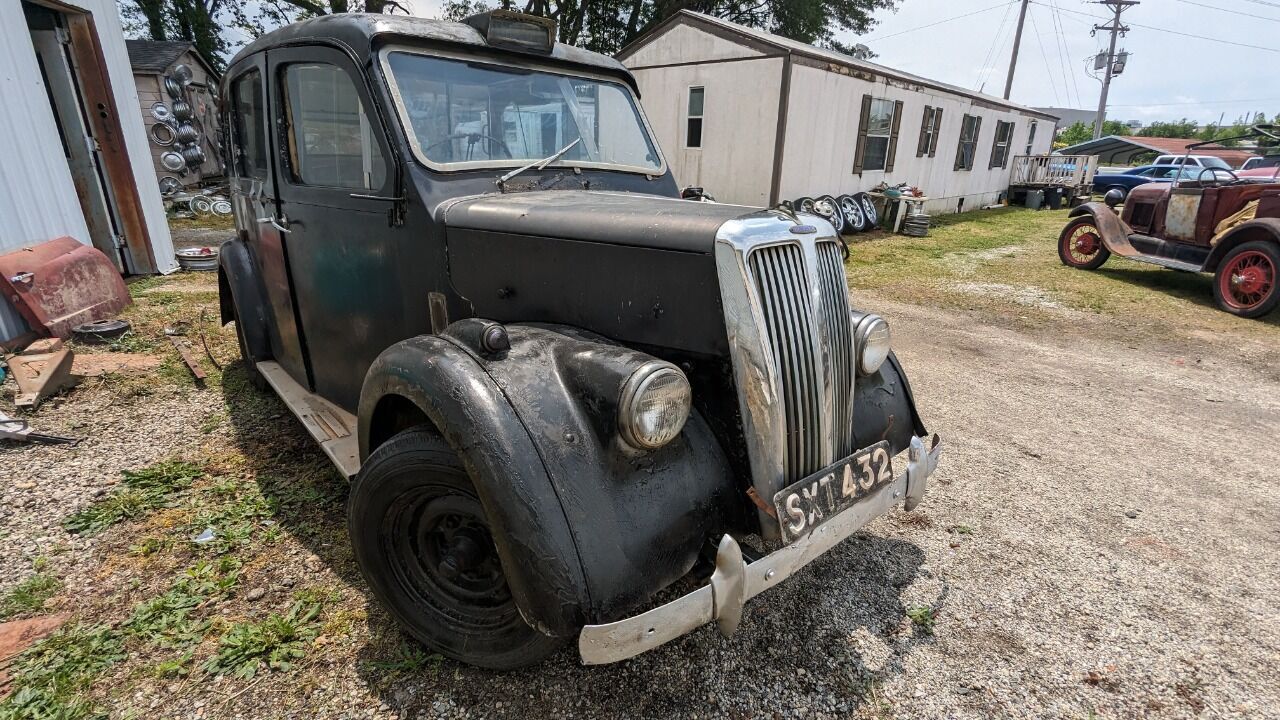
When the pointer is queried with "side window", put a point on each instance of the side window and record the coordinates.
(1000, 147)
(693, 133)
(1031, 137)
(250, 160)
(968, 146)
(331, 142)
(930, 124)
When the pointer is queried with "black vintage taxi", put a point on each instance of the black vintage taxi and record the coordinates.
(557, 388)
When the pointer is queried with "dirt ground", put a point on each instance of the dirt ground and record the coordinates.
(1099, 541)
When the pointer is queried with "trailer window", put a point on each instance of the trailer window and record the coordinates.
(693, 131)
(969, 129)
(879, 127)
(331, 142)
(1031, 137)
(1000, 147)
(250, 135)
(930, 124)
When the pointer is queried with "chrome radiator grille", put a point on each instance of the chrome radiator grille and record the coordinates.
(804, 304)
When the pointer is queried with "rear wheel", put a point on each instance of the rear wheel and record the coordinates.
(1080, 245)
(1247, 282)
(422, 541)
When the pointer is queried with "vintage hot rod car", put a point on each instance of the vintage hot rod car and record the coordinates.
(557, 388)
(1227, 226)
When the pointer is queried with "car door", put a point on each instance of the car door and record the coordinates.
(336, 179)
(252, 185)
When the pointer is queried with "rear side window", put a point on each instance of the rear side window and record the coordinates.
(251, 146)
(331, 141)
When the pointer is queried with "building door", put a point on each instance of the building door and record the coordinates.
(51, 40)
(335, 179)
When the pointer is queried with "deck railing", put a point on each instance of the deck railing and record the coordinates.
(1054, 170)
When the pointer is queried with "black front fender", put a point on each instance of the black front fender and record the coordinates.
(239, 292)
(587, 528)
(884, 408)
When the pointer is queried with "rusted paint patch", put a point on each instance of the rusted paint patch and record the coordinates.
(61, 283)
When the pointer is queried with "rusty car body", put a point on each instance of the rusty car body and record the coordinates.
(556, 387)
(1218, 223)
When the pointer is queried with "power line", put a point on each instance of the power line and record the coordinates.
(1064, 53)
(985, 69)
(946, 20)
(1047, 67)
(1234, 43)
(1264, 2)
(1233, 12)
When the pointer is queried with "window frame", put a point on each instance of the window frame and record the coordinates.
(400, 116)
(961, 142)
(930, 129)
(290, 163)
(240, 161)
(887, 135)
(999, 147)
(1031, 136)
(689, 117)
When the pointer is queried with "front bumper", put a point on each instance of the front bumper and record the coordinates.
(734, 581)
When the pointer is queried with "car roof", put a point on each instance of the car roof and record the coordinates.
(360, 35)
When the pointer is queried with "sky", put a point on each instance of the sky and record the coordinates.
(1187, 58)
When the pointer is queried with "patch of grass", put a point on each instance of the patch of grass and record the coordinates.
(170, 620)
(275, 643)
(142, 491)
(923, 617)
(206, 222)
(408, 658)
(960, 530)
(29, 596)
(52, 677)
(234, 523)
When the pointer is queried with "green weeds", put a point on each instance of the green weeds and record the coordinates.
(142, 491)
(51, 679)
(275, 643)
(30, 595)
(923, 617)
(170, 621)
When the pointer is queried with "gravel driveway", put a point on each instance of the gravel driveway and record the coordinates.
(1100, 541)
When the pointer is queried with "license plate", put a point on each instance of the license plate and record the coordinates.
(807, 504)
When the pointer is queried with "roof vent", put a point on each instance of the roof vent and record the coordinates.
(514, 30)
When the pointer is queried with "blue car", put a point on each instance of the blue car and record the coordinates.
(1133, 177)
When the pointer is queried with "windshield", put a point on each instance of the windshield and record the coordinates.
(462, 114)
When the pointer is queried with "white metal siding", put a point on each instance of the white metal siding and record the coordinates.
(38, 199)
(736, 161)
(739, 126)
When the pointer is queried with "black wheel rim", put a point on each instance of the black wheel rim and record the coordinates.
(442, 555)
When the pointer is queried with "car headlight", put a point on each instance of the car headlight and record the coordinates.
(872, 341)
(654, 405)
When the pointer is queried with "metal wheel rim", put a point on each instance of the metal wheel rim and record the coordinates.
(162, 134)
(1083, 244)
(1248, 280)
(853, 213)
(868, 210)
(415, 525)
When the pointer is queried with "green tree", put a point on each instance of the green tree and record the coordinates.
(1080, 132)
(1183, 128)
(606, 26)
(197, 21)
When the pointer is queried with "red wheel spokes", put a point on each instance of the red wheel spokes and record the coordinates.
(1083, 244)
(1248, 280)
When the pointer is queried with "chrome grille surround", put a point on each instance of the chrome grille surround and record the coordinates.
(787, 311)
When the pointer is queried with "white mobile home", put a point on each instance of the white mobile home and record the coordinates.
(755, 118)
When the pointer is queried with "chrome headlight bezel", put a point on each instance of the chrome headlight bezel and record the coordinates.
(648, 378)
(871, 333)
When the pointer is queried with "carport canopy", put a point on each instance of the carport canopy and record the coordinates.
(1124, 149)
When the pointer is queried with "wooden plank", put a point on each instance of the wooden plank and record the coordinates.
(188, 358)
(331, 426)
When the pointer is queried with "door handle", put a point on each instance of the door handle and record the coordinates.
(274, 223)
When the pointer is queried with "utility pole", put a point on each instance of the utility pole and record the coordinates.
(1118, 6)
(1017, 41)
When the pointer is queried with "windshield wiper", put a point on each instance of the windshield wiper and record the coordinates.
(540, 164)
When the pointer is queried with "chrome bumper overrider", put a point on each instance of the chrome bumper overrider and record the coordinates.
(734, 581)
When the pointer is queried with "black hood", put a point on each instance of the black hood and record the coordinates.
(616, 218)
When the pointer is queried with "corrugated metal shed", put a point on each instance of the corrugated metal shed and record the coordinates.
(38, 199)
(1125, 148)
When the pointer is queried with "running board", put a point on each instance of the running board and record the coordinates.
(1167, 263)
(330, 425)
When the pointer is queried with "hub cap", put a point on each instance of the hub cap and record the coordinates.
(1083, 244)
(1248, 280)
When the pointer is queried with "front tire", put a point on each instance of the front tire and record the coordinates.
(1080, 245)
(422, 541)
(1247, 282)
